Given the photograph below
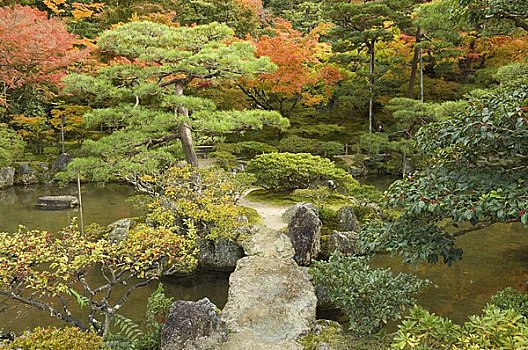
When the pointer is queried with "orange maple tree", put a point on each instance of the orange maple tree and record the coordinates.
(303, 73)
(34, 49)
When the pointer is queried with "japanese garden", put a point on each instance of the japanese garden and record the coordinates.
(263, 174)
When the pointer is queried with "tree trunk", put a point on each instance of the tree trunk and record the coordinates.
(371, 83)
(185, 132)
(467, 67)
(414, 65)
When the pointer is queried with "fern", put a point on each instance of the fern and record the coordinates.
(129, 329)
(132, 336)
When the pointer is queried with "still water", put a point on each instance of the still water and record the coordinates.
(494, 258)
(102, 204)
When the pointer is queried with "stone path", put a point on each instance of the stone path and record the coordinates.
(271, 299)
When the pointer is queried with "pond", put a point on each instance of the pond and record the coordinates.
(494, 258)
(102, 204)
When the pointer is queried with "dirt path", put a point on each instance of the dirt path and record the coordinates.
(271, 214)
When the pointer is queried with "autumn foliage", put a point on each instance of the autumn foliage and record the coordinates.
(300, 59)
(33, 49)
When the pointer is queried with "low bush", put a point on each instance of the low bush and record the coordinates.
(68, 338)
(510, 298)
(369, 297)
(245, 149)
(289, 171)
(297, 144)
(495, 329)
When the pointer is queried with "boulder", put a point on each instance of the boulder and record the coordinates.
(288, 214)
(7, 176)
(343, 242)
(32, 173)
(61, 163)
(304, 230)
(271, 303)
(193, 325)
(120, 230)
(57, 202)
(324, 302)
(219, 254)
(347, 219)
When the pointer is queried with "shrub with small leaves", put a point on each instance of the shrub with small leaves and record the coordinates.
(495, 329)
(68, 338)
(510, 298)
(369, 297)
(289, 171)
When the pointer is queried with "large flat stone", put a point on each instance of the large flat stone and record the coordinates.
(57, 202)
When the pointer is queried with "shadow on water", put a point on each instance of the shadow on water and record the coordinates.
(103, 204)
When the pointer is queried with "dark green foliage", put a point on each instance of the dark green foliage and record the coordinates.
(510, 298)
(479, 176)
(11, 145)
(289, 171)
(369, 297)
(245, 149)
(297, 144)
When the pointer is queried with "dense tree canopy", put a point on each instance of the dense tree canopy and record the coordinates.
(144, 91)
(478, 176)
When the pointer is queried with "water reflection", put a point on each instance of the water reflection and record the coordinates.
(102, 204)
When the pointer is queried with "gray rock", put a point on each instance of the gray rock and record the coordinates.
(32, 173)
(343, 242)
(288, 214)
(25, 174)
(358, 171)
(57, 202)
(324, 302)
(61, 163)
(120, 230)
(271, 303)
(347, 219)
(263, 241)
(304, 230)
(7, 177)
(193, 325)
(219, 255)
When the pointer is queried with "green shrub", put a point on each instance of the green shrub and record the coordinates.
(245, 149)
(289, 171)
(224, 160)
(510, 298)
(329, 219)
(11, 145)
(369, 297)
(68, 338)
(297, 144)
(495, 329)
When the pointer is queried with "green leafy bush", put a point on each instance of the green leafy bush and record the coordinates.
(369, 297)
(289, 171)
(297, 144)
(224, 160)
(68, 338)
(245, 149)
(11, 145)
(495, 329)
(510, 298)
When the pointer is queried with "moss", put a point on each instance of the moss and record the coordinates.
(328, 332)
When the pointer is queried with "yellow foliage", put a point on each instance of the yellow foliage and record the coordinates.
(56, 6)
